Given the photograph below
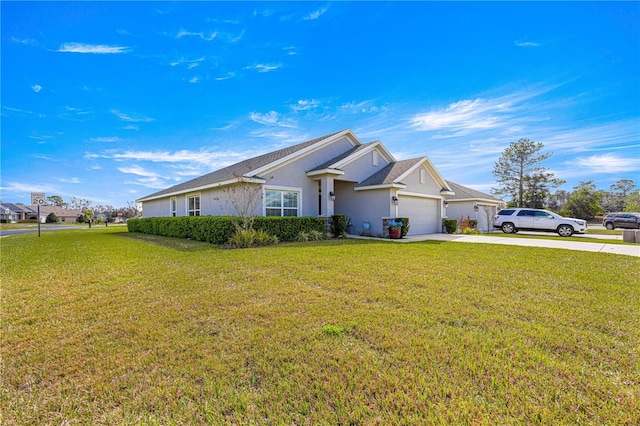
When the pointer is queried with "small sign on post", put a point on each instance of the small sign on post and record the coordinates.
(37, 198)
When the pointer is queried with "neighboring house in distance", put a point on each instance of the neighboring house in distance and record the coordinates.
(464, 202)
(332, 174)
(64, 215)
(13, 212)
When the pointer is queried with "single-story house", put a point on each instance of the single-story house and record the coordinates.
(13, 212)
(64, 215)
(332, 174)
(469, 203)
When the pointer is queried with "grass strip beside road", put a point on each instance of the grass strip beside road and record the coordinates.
(103, 327)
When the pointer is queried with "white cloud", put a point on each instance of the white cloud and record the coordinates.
(26, 41)
(464, 115)
(360, 107)
(91, 48)
(194, 80)
(139, 171)
(305, 105)
(268, 119)
(36, 88)
(227, 76)
(205, 37)
(125, 117)
(608, 163)
(526, 43)
(316, 14)
(264, 67)
(26, 187)
(291, 51)
(191, 63)
(72, 180)
(108, 139)
(271, 118)
(43, 157)
(205, 157)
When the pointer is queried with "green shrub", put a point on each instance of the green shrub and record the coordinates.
(52, 218)
(302, 237)
(450, 225)
(473, 224)
(405, 225)
(338, 225)
(243, 239)
(220, 229)
(470, 231)
(264, 239)
(315, 235)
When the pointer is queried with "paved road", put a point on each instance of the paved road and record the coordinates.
(43, 228)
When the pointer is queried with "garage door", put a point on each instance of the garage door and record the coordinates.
(423, 214)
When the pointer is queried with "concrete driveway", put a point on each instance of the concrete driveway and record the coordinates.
(571, 243)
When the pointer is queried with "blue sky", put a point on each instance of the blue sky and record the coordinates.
(111, 101)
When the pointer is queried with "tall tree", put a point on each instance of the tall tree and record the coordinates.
(79, 203)
(556, 201)
(615, 200)
(632, 203)
(56, 200)
(584, 202)
(520, 175)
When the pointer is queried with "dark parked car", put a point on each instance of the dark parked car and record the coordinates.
(621, 220)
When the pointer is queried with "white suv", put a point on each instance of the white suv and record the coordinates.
(514, 220)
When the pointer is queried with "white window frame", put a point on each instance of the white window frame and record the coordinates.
(173, 206)
(375, 158)
(198, 211)
(282, 190)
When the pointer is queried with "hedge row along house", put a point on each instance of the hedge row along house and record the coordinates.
(332, 174)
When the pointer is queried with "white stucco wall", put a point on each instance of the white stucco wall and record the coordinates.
(428, 187)
(361, 168)
(363, 206)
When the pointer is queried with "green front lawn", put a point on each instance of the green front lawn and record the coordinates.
(104, 327)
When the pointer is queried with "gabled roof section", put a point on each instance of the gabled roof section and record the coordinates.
(250, 167)
(394, 173)
(466, 193)
(388, 175)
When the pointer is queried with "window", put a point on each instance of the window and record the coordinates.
(528, 213)
(193, 205)
(423, 173)
(174, 207)
(375, 158)
(281, 203)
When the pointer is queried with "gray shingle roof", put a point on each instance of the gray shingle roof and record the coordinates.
(463, 192)
(239, 169)
(390, 172)
(15, 208)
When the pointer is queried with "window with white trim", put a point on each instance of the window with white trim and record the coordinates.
(375, 158)
(174, 206)
(281, 203)
(193, 205)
